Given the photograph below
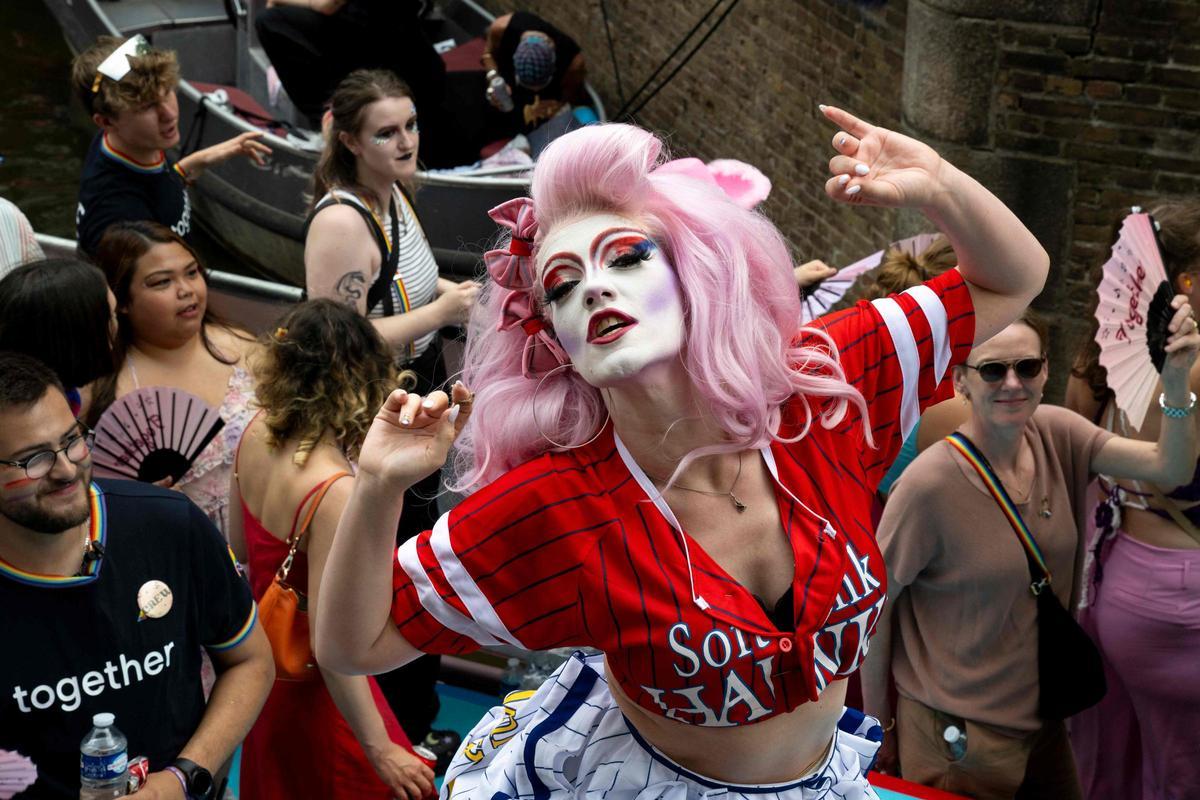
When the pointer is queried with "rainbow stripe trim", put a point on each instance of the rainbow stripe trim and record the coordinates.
(130, 162)
(242, 633)
(98, 532)
(981, 465)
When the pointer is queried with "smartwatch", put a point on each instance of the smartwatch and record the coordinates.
(199, 780)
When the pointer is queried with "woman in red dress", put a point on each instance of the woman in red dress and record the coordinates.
(321, 376)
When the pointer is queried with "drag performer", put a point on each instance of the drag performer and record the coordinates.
(665, 467)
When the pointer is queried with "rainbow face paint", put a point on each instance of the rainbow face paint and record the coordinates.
(20, 489)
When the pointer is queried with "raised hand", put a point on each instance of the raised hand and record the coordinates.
(411, 435)
(879, 167)
(1181, 349)
(812, 272)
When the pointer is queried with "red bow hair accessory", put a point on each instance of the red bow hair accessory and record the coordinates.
(542, 352)
(512, 268)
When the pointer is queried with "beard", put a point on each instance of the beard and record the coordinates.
(31, 516)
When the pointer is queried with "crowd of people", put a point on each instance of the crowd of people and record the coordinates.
(744, 522)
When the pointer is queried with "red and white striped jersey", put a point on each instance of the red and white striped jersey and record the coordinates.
(569, 549)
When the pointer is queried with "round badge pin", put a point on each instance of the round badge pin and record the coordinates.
(155, 599)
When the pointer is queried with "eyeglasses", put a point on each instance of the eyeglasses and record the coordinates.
(38, 465)
(996, 371)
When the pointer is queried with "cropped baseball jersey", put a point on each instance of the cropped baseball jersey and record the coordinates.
(570, 548)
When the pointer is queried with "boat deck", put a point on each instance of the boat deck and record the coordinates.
(133, 16)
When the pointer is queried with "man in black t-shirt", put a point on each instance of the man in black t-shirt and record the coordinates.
(129, 89)
(108, 591)
(542, 67)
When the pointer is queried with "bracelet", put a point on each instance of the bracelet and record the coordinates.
(1177, 412)
(188, 180)
(178, 773)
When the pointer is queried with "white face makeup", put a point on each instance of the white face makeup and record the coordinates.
(612, 296)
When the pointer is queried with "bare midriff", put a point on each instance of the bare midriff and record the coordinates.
(775, 750)
(1149, 528)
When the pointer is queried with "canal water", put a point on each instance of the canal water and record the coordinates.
(44, 131)
(43, 135)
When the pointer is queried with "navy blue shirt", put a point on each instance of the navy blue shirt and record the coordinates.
(78, 646)
(115, 188)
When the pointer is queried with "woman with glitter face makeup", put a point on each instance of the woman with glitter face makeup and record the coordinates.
(365, 248)
(664, 465)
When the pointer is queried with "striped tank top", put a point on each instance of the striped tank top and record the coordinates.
(414, 283)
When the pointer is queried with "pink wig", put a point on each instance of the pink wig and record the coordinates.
(741, 305)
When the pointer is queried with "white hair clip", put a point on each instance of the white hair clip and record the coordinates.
(117, 65)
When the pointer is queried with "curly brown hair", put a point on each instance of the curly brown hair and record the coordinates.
(900, 270)
(152, 76)
(324, 369)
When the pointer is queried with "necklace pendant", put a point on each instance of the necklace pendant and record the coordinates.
(738, 504)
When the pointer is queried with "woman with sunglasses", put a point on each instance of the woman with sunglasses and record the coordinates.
(960, 633)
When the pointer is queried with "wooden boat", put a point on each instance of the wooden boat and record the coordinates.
(258, 212)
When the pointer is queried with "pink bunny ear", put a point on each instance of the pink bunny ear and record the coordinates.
(688, 167)
(744, 183)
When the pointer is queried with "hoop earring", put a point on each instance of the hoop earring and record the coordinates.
(538, 425)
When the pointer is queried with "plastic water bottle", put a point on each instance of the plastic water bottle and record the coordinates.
(103, 761)
(956, 740)
(510, 679)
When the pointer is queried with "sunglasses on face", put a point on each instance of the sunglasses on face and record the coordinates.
(996, 371)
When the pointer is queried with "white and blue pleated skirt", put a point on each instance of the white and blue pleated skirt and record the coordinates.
(569, 739)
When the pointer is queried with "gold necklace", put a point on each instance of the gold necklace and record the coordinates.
(733, 498)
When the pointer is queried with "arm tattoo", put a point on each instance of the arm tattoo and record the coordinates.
(349, 288)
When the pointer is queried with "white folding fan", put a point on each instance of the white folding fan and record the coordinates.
(152, 433)
(1134, 311)
(17, 773)
(822, 297)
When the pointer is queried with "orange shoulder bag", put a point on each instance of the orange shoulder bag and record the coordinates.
(283, 611)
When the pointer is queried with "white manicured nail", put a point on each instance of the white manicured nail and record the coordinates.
(843, 180)
(841, 141)
(822, 107)
(427, 404)
(854, 189)
(861, 169)
(454, 409)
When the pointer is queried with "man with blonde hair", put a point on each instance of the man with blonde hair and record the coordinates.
(129, 90)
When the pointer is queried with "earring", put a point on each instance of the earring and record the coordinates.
(538, 425)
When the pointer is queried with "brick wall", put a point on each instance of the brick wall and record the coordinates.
(1070, 110)
(1119, 99)
(751, 92)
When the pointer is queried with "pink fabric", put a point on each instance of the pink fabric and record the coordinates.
(513, 269)
(207, 482)
(1146, 619)
(743, 183)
